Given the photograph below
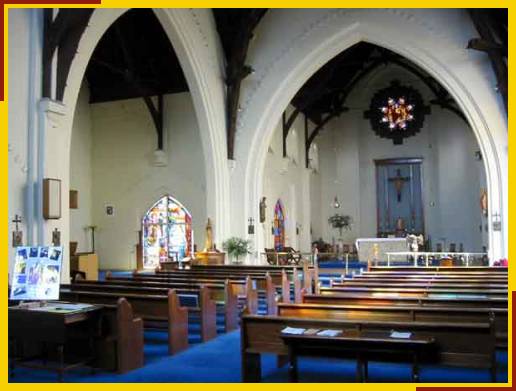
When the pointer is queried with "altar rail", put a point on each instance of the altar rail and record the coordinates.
(427, 255)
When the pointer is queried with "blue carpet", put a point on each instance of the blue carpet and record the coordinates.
(219, 361)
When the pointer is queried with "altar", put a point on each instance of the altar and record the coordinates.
(375, 249)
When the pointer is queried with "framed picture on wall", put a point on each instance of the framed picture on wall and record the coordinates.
(51, 198)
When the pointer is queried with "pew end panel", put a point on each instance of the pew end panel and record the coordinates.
(177, 324)
(208, 310)
(297, 287)
(230, 306)
(285, 288)
(130, 338)
(270, 294)
(251, 296)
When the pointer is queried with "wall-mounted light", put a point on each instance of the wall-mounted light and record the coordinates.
(336, 203)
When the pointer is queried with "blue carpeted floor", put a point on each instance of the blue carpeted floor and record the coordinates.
(219, 361)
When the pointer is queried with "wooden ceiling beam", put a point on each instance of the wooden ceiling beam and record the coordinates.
(130, 75)
(62, 34)
(237, 70)
(337, 111)
(485, 27)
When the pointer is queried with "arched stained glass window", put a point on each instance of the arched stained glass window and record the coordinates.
(167, 233)
(279, 226)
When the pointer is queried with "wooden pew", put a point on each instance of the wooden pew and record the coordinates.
(415, 292)
(260, 280)
(129, 338)
(436, 284)
(206, 307)
(244, 267)
(261, 334)
(402, 313)
(121, 346)
(391, 300)
(441, 269)
(187, 274)
(262, 283)
(155, 310)
(224, 294)
(235, 274)
(436, 280)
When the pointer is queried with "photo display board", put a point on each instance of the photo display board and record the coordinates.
(37, 273)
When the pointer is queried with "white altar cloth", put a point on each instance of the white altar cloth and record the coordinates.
(385, 245)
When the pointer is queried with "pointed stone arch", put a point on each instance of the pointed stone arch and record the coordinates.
(439, 50)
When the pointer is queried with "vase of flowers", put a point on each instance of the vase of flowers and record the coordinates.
(340, 221)
(237, 247)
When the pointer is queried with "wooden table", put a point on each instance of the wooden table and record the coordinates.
(363, 345)
(51, 324)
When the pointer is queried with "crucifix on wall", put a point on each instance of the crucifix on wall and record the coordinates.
(399, 181)
(17, 234)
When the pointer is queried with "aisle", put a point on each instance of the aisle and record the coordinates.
(219, 361)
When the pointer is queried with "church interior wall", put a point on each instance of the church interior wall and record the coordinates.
(452, 176)
(123, 175)
(455, 192)
(287, 179)
(81, 178)
(18, 121)
(435, 40)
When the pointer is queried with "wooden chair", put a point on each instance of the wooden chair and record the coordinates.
(293, 257)
(271, 256)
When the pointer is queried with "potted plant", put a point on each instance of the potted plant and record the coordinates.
(340, 221)
(237, 247)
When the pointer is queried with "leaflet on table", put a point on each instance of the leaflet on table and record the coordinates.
(37, 273)
(329, 333)
(401, 334)
(293, 331)
(62, 307)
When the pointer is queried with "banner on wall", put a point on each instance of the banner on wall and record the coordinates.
(37, 273)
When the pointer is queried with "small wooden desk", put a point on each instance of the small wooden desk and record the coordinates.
(47, 324)
(363, 345)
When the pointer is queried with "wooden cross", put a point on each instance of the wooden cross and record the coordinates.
(399, 181)
(17, 220)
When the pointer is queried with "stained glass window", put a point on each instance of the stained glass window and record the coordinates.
(279, 227)
(167, 233)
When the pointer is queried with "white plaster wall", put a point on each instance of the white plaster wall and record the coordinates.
(450, 172)
(18, 95)
(338, 177)
(124, 140)
(288, 179)
(81, 172)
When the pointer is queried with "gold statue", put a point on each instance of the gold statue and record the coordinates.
(483, 201)
(208, 243)
(210, 255)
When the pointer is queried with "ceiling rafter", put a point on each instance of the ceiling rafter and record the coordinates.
(235, 29)
(130, 74)
(338, 109)
(492, 27)
(61, 36)
(317, 97)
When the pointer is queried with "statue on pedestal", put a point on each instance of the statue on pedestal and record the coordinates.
(210, 255)
(263, 208)
(208, 243)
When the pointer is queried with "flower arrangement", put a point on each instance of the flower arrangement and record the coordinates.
(504, 262)
(340, 221)
(237, 247)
